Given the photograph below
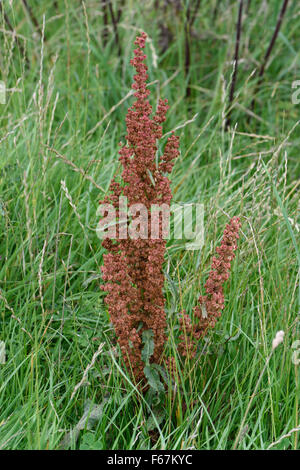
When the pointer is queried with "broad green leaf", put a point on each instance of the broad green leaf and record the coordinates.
(2, 352)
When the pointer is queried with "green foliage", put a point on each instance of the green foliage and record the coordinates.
(148, 349)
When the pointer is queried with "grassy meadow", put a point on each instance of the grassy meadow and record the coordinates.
(65, 66)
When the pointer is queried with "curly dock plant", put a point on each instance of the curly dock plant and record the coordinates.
(133, 266)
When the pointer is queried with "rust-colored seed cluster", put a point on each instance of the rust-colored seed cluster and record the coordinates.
(133, 268)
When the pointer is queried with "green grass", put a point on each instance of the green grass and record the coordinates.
(52, 311)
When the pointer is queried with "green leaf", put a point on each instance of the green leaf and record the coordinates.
(148, 348)
(89, 442)
(153, 421)
(91, 416)
(153, 378)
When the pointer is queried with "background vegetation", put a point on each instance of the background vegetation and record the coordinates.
(65, 66)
